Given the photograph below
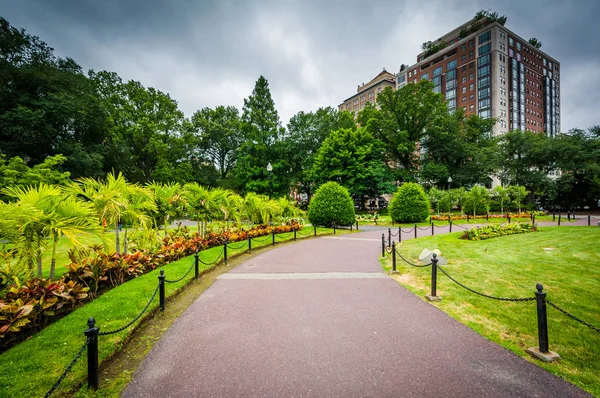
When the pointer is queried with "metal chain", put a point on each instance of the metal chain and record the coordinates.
(217, 259)
(302, 234)
(551, 304)
(68, 369)
(180, 279)
(283, 237)
(409, 263)
(424, 229)
(394, 235)
(261, 240)
(388, 250)
(483, 294)
(407, 231)
(239, 247)
(134, 319)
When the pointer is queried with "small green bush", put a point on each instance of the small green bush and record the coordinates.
(331, 204)
(481, 209)
(494, 231)
(409, 204)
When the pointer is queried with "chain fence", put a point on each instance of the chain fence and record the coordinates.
(134, 319)
(229, 246)
(180, 279)
(68, 369)
(411, 264)
(394, 234)
(277, 236)
(424, 228)
(483, 294)
(213, 262)
(405, 231)
(261, 240)
(573, 317)
(304, 234)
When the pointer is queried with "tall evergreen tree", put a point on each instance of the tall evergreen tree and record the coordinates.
(262, 144)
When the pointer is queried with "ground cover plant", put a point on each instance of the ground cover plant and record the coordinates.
(510, 266)
(31, 367)
(494, 231)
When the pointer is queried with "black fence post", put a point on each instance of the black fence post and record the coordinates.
(225, 252)
(540, 296)
(432, 229)
(559, 216)
(553, 216)
(415, 231)
(394, 257)
(315, 228)
(589, 220)
(273, 234)
(294, 233)
(450, 225)
(568, 216)
(357, 225)
(334, 228)
(249, 243)
(433, 296)
(382, 245)
(196, 273)
(92, 353)
(389, 237)
(161, 290)
(400, 233)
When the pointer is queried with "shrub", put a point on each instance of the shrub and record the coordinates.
(481, 208)
(331, 204)
(494, 231)
(409, 204)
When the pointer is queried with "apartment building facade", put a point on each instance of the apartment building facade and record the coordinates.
(492, 72)
(368, 92)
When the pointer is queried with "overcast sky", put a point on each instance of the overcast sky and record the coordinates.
(313, 53)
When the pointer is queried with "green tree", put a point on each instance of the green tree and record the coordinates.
(331, 205)
(409, 204)
(460, 146)
(404, 118)
(262, 144)
(306, 133)
(219, 133)
(477, 200)
(169, 202)
(15, 172)
(356, 160)
(502, 195)
(518, 194)
(435, 197)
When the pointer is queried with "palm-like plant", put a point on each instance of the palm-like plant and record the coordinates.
(478, 195)
(197, 198)
(140, 203)
(501, 194)
(435, 196)
(169, 202)
(109, 199)
(518, 193)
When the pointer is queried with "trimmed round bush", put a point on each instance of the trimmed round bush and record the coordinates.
(409, 204)
(331, 204)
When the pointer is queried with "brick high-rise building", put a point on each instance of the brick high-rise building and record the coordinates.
(368, 92)
(492, 72)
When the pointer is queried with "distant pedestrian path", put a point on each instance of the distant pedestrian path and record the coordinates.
(320, 318)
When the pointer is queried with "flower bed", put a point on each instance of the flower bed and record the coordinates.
(446, 217)
(28, 307)
(494, 231)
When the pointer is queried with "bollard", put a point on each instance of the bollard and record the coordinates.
(394, 257)
(559, 216)
(315, 227)
(415, 231)
(92, 353)
(273, 235)
(294, 233)
(161, 290)
(357, 225)
(389, 237)
(589, 220)
(542, 316)
(432, 229)
(225, 252)
(334, 228)
(196, 273)
(382, 245)
(400, 233)
(450, 225)
(249, 243)
(542, 352)
(433, 296)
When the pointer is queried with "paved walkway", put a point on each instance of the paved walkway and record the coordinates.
(319, 318)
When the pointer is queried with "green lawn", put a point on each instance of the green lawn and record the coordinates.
(30, 368)
(564, 259)
(385, 220)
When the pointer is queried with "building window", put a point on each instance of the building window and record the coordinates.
(472, 97)
(485, 49)
(451, 65)
(511, 41)
(463, 58)
(511, 53)
(451, 74)
(470, 54)
(518, 46)
(450, 94)
(485, 37)
(471, 44)
(463, 47)
(425, 76)
(471, 65)
(464, 79)
(464, 89)
(472, 108)
(471, 87)
(464, 99)
(437, 71)
(409, 74)
(470, 76)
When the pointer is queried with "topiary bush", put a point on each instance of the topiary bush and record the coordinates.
(331, 204)
(410, 203)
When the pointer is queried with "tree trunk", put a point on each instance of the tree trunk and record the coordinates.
(125, 242)
(53, 262)
(117, 243)
(39, 257)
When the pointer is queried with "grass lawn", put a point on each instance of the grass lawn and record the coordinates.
(30, 368)
(385, 220)
(566, 260)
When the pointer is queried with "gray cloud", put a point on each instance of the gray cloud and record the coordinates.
(314, 53)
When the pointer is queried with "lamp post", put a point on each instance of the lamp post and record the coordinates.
(270, 171)
(450, 197)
